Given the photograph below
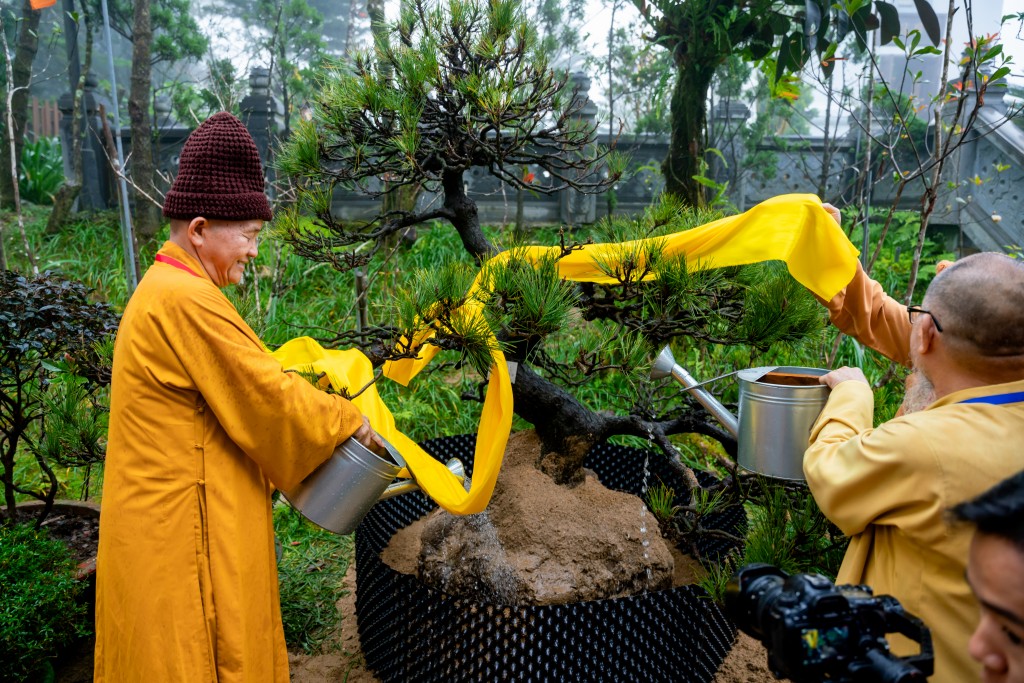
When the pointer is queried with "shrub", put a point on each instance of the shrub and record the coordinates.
(54, 344)
(42, 170)
(39, 607)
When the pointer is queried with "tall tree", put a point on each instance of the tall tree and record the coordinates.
(147, 213)
(701, 34)
(292, 41)
(21, 67)
(159, 30)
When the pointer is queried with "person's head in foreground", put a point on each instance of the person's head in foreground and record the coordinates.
(969, 329)
(995, 571)
(217, 204)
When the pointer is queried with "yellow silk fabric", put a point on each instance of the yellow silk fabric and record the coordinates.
(794, 229)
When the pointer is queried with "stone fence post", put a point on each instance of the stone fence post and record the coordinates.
(576, 207)
(263, 116)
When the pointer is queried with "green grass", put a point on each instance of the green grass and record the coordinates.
(312, 564)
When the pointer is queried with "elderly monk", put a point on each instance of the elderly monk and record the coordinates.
(204, 423)
(888, 487)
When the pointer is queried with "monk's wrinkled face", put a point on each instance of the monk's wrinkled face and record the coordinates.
(226, 247)
(995, 571)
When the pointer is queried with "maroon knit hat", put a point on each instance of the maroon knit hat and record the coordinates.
(219, 174)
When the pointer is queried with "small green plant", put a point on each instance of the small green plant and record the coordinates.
(716, 577)
(53, 339)
(40, 610)
(788, 530)
(42, 170)
(660, 501)
(312, 564)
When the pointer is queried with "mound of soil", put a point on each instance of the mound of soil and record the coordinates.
(539, 543)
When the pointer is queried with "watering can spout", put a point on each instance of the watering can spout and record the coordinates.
(665, 366)
(454, 466)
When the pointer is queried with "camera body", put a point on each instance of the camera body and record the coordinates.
(817, 631)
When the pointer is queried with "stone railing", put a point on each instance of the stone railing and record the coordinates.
(987, 213)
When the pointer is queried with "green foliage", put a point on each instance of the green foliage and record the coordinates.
(661, 502)
(52, 342)
(40, 609)
(460, 85)
(291, 41)
(42, 170)
(310, 571)
(701, 36)
(787, 530)
(221, 90)
(524, 301)
(176, 35)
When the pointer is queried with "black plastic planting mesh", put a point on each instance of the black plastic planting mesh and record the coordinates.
(409, 632)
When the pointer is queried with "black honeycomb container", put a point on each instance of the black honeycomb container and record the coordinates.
(409, 632)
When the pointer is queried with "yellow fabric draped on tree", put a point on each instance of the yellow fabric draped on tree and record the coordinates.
(792, 228)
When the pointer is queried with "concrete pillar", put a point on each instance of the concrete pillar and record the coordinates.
(577, 208)
(263, 116)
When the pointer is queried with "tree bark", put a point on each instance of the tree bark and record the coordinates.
(567, 429)
(21, 66)
(689, 131)
(64, 200)
(147, 214)
(465, 218)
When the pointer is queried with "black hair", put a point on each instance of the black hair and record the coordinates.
(998, 511)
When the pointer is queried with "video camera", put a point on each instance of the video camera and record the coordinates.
(817, 631)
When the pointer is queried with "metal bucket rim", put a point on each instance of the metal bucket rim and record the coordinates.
(749, 377)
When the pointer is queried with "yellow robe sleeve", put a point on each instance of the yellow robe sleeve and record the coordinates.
(861, 476)
(286, 425)
(864, 311)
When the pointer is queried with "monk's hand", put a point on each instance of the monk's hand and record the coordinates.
(843, 374)
(834, 212)
(368, 437)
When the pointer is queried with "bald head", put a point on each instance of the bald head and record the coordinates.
(979, 301)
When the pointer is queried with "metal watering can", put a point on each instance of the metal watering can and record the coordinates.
(339, 493)
(778, 405)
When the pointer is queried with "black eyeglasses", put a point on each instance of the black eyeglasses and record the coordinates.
(912, 311)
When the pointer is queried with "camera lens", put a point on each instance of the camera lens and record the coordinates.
(750, 594)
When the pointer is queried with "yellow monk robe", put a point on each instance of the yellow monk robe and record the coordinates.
(790, 228)
(890, 488)
(204, 422)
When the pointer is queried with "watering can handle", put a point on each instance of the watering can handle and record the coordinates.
(761, 372)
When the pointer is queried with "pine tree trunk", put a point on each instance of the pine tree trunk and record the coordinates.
(567, 429)
(147, 214)
(465, 218)
(689, 132)
(24, 55)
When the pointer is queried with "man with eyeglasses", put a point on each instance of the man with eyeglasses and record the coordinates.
(888, 487)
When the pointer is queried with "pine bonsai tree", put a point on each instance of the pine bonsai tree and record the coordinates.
(461, 87)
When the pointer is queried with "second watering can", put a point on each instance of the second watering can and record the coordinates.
(777, 407)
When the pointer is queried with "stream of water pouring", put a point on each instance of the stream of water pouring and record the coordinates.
(644, 541)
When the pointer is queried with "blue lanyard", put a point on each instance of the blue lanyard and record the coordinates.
(998, 399)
